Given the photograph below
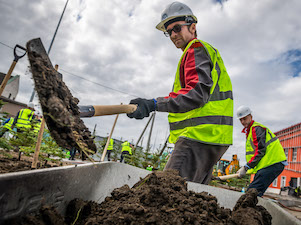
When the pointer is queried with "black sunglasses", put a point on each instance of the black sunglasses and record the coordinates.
(177, 28)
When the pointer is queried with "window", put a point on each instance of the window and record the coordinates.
(286, 152)
(275, 182)
(283, 182)
(294, 157)
(9, 95)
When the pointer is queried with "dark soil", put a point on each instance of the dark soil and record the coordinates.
(59, 107)
(12, 164)
(159, 198)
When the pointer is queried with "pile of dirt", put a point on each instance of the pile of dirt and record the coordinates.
(159, 198)
(59, 107)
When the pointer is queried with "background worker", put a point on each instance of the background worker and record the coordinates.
(7, 126)
(264, 153)
(126, 150)
(24, 117)
(73, 153)
(149, 168)
(200, 106)
(37, 123)
(110, 149)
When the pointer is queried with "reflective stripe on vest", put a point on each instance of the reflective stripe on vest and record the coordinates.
(110, 146)
(37, 126)
(213, 122)
(126, 147)
(9, 124)
(24, 118)
(274, 152)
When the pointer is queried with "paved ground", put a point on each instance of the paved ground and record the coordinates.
(289, 203)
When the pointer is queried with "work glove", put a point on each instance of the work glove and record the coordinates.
(144, 107)
(242, 171)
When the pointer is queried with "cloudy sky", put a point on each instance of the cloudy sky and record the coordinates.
(109, 52)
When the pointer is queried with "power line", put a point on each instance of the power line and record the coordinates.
(123, 92)
(10, 47)
(102, 85)
(6, 45)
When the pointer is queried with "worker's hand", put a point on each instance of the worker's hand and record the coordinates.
(145, 106)
(242, 171)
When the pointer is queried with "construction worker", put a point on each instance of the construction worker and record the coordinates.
(110, 149)
(73, 153)
(37, 123)
(200, 105)
(7, 126)
(126, 150)
(149, 168)
(24, 117)
(264, 154)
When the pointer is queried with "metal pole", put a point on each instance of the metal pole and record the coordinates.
(165, 144)
(150, 132)
(142, 133)
(49, 49)
(57, 27)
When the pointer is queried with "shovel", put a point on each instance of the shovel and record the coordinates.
(7, 76)
(60, 109)
(226, 177)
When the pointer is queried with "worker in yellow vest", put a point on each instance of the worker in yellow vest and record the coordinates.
(7, 126)
(200, 105)
(37, 123)
(110, 149)
(24, 117)
(264, 153)
(149, 168)
(126, 150)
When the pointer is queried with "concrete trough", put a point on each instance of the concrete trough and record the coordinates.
(24, 192)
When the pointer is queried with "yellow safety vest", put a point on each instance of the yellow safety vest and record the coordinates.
(37, 126)
(126, 147)
(213, 122)
(9, 124)
(110, 147)
(274, 150)
(24, 118)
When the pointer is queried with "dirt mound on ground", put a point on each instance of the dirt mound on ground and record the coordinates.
(159, 198)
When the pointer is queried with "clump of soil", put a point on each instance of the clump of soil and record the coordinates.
(159, 198)
(59, 107)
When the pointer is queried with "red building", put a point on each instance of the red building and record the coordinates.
(290, 139)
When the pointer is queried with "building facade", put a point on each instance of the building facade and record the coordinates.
(290, 138)
(12, 87)
(11, 107)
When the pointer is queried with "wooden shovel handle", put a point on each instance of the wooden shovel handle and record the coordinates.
(226, 177)
(102, 110)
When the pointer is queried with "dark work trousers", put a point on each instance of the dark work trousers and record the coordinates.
(122, 155)
(264, 177)
(72, 153)
(109, 154)
(195, 160)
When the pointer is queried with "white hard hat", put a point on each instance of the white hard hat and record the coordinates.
(31, 105)
(176, 11)
(243, 111)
